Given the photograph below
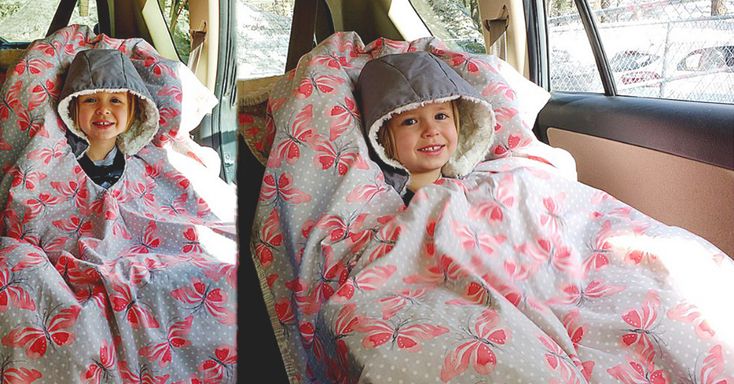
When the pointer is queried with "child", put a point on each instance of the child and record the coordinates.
(108, 111)
(422, 120)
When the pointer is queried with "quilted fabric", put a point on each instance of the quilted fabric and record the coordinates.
(515, 273)
(135, 283)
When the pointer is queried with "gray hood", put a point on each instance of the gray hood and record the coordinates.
(109, 70)
(396, 83)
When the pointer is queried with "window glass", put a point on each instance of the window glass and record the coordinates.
(25, 21)
(666, 49)
(263, 33)
(572, 66)
(176, 14)
(455, 22)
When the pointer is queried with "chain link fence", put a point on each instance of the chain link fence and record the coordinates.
(668, 49)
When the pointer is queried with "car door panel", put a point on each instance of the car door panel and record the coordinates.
(672, 160)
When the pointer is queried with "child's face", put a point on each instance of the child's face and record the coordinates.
(424, 138)
(102, 116)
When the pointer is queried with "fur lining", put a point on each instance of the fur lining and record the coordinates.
(139, 134)
(475, 134)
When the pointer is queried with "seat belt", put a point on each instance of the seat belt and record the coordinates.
(497, 28)
(303, 26)
(198, 36)
(62, 16)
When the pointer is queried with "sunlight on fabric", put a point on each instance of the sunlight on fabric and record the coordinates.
(701, 280)
(220, 196)
(221, 248)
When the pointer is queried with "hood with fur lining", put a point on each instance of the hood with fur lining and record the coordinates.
(109, 70)
(400, 82)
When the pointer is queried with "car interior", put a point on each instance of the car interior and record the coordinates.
(670, 159)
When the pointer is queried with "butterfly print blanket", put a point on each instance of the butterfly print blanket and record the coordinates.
(516, 273)
(123, 284)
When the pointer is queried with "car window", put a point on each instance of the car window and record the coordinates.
(263, 33)
(176, 14)
(455, 22)
(25, 21)
(652, 48)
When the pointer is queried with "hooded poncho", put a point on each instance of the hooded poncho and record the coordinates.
(109, 70)
(401, 82)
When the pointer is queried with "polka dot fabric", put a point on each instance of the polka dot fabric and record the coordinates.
(124, 284)
(515, 274)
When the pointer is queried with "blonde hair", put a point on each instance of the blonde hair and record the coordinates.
(385, 137)
(132, 109)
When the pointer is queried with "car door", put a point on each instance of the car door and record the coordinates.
(644, 130)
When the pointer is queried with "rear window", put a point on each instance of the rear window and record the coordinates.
(25, 21)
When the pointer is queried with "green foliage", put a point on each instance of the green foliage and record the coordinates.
(9, 7)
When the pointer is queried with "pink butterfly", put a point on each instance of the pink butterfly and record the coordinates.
(19, 375)
(444, 270)
(52, 329)
(340, 228)
(177, 206)
(46, 154)
(499, 88)
(192, 244)
(31, 122)
(10, 100)
(173, 91)
(300, 134)
(219, 368)
(42, 92)
(136, 313)
(386, 239)
(176, 338)
(143, 376)
(323, 84)
(40, 204)
(406, 337)
(269, 238)
(368, 279)
(17, 229)
(284, 311)
(559, 361)
(712, 368)
(331, 60)
(339, 157)
(45, 48)
(149, 241)
(575, 331)
(344, 115)
(75, 225)
(502, 197)
(202, 296)
(28, 178)
(333, 271)
(141, 192)
(395, 302)
(157, 67)
(100, 370)
(514, 142)
(472, 239)
(280, 189)
(468, 62)
(33, 66)
(643, 320)
(75, 190)
(635, 372)
(12, 292)
(366, 192)
(478, 351)
(475, 293)
(689, 313)
(578, 295)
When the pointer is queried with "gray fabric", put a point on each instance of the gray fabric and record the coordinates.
(97, 70)
(400, 82)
